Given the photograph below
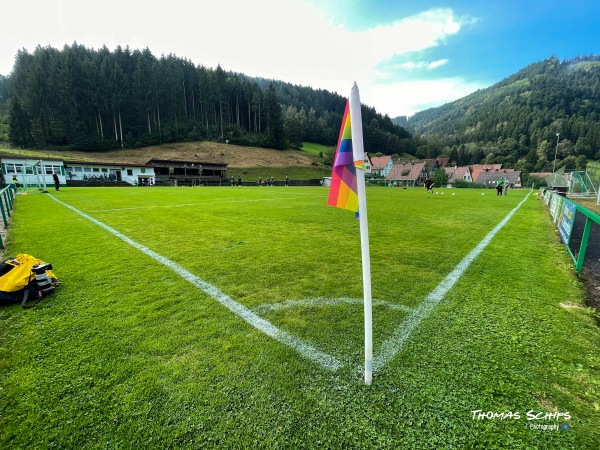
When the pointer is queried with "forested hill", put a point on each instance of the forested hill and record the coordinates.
(519, 118)
(102, 100)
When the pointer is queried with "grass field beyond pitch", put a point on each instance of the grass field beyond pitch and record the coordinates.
(128, 353)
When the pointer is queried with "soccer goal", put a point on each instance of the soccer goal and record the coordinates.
(32, 176)
(581, 185)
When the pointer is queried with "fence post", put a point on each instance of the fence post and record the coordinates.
(9, 194)
(584, 242)
(3, 213)
(7, 199)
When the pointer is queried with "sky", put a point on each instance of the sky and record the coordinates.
(404, 55)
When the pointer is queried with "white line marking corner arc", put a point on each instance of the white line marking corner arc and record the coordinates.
(323, 359)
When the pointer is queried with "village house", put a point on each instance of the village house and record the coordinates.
(458, 173)
(368, 166)
(381, 166)
(407, 173)
(489, 179)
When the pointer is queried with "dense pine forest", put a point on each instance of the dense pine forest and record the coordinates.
(96, 100)
(86, 99)
(549, 108)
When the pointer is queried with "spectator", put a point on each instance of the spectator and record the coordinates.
(16, 182)
(499, 186)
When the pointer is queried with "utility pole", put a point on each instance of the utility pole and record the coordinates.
(556, 152)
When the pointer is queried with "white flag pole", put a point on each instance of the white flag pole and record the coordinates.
(359, 155)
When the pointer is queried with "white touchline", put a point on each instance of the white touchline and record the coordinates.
(392, 345)
(305, 349)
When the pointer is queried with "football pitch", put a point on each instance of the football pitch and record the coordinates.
(232, 318)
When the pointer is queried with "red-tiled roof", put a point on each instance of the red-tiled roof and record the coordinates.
(486, 167)
(486, 178)
(379, 162)
(436, 161)
(456, 173)
(403, 171)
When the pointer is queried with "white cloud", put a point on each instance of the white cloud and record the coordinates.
(412, 34)
(407, 98)
(436, 64)
(412, 65)
(286, 39)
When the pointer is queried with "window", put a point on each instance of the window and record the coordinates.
(129, 172)
(78, 169)
(87, 169)
(96, 169)
(49, 170)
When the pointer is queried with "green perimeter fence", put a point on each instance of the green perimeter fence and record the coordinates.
(579, 230)
(7, 202)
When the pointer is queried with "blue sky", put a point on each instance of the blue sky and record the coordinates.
(405, 56)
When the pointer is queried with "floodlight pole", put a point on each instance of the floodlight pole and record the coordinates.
(556, 152)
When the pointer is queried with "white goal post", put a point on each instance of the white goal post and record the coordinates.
(33, 175)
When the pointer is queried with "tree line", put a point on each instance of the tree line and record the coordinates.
(97, 100)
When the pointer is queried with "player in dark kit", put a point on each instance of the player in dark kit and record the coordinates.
(429, 186)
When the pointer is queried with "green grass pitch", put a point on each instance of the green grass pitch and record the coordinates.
(128, 353)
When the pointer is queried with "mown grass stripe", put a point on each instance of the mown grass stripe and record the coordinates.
(183, 205)
(323, 359)
(320, 301)
(392, 345)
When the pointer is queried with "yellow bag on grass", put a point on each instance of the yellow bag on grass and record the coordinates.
(25, 276)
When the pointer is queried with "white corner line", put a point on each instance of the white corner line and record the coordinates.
(392, 345)
(323, 359)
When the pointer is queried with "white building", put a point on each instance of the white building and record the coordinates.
(368, 165)
(381, 165)
(37, 172)
(133, 174)
(32, 172)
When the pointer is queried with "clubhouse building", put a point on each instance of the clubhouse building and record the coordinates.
(39, 172)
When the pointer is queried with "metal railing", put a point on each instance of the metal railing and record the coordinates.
(7, 203)
(575, 225)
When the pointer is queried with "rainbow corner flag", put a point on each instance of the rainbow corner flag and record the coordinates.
(343, 191)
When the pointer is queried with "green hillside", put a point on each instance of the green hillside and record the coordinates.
(99, 100)
(516, 121)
